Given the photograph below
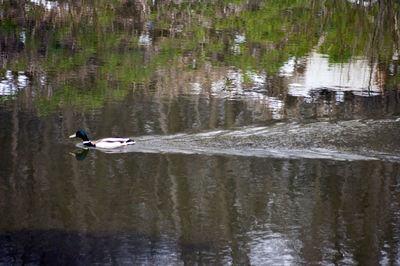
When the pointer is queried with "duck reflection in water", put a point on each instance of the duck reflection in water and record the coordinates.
(80, 156)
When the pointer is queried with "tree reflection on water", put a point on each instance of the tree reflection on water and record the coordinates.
(317, 74)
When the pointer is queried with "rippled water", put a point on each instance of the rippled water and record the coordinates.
(346, 140)
(266, 132)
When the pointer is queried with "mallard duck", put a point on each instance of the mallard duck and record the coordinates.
(106, 143)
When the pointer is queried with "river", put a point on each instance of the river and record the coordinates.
(267, 132)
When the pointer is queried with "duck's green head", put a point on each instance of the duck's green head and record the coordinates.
(80, 134)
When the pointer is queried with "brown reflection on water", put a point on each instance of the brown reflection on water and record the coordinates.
(189, 59)
(210, 209)
(137, 68)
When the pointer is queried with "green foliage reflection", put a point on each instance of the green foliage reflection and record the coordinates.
(96, 44)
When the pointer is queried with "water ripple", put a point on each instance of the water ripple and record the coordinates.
(345, 140)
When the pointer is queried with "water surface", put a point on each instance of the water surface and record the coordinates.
(267, 132)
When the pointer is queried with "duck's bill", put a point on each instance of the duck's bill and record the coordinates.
(72, 136)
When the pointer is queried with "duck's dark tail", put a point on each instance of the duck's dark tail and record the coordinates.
(130, 141)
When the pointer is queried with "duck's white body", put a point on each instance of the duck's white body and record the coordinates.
(109, 143)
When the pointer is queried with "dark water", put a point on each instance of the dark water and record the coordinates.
(267, 132)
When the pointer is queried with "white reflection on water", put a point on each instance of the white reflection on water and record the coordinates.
(43, 80)
(395, 56)
(239, 39)
(48, 5)
(270, 248)
(8, 86)
(233, 86)
(23, 80)
(145, 39)
(287, 69)
(363, 2)
(258, 79)
(357, 76)
(22, 36)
